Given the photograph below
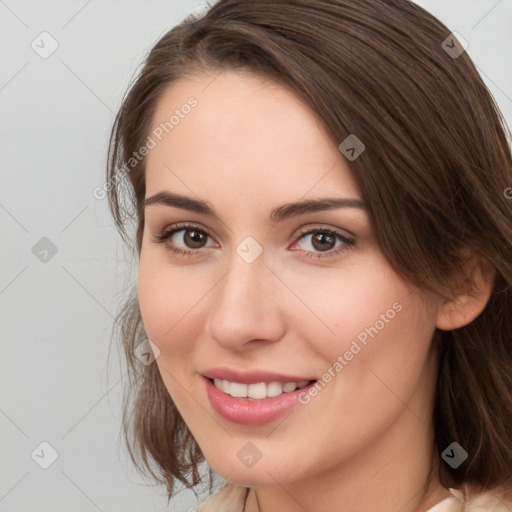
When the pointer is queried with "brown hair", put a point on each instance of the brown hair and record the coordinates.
(434, 174)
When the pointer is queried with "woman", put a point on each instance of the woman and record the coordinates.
(324, 240)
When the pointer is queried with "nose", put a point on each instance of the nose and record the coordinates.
(247, 306)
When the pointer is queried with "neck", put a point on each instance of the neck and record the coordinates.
(388, 487)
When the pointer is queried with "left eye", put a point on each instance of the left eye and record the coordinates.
(323, 240)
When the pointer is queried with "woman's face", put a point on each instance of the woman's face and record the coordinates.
(275, 293)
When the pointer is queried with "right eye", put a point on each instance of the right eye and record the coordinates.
(192, 238)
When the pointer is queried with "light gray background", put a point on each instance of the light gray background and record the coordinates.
(57, 383)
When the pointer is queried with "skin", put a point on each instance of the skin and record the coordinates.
(363, 443)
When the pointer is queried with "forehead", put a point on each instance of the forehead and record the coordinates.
(243, 138)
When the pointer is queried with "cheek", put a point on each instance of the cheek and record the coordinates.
(353, 304)
(166, 300)
(376, 333)
(384, 352)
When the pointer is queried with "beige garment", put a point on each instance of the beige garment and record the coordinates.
(231, 498)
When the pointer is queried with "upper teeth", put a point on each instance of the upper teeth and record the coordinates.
(259, 390)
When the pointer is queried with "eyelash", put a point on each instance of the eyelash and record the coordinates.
(168, 233)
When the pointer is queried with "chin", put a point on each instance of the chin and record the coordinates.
(261, 474)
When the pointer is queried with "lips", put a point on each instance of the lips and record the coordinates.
(253, 376)
(257, 391)
(245, 410)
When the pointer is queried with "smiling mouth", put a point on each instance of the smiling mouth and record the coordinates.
(258, 391)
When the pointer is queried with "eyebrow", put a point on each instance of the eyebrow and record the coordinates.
(278, 214)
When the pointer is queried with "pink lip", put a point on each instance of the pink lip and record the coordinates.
(251, 377)
(252, 412)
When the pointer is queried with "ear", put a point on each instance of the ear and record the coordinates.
(478, 274)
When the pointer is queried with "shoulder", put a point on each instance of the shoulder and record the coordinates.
(488, 501)
(230, 498)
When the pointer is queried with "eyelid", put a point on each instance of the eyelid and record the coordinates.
(318, 227)
(307, 228)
